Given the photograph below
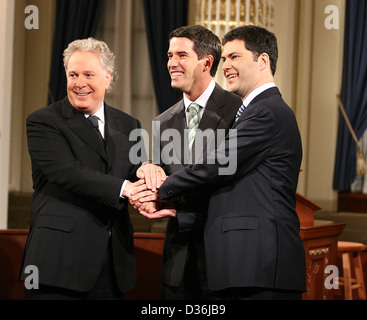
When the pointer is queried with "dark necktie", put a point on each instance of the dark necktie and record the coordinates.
(94, 121)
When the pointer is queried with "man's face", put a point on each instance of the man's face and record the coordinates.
(87, 81)
(184, 67)
(239, 68)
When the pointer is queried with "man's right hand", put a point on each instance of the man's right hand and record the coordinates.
(133, 188)
(153, 175)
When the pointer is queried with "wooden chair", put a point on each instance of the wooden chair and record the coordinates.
(350, 253)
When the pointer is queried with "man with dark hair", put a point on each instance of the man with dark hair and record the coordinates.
(252, 243)
(257, 40)
(193, 57)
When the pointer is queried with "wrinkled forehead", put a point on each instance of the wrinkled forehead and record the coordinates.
(84, 60)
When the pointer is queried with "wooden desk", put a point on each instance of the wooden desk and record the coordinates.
(320, 240)
(11, 250)
(148, 254)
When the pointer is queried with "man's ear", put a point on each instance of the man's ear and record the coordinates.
(209, 60)
(108, 80)
(264, 60)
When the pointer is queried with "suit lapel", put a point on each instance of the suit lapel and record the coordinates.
(81, 127)
(212, 115)
(113, 132)
(213, 112)
(178, 122)
(263, 95)
(211, 118)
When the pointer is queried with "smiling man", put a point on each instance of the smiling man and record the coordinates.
(81, 236)
(87, 81)
(193, 57)
(252, 245)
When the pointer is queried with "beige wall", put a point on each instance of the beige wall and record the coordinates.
(6, 56)
(327, 57)
(24, 71)
(310, 72)
(17, 96)
(32, 56)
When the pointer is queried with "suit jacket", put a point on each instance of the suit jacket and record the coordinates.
(219, 113)
(252, 229)
(76, 203)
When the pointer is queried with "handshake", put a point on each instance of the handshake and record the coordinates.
(143, 194)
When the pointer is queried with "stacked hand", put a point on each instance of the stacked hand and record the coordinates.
(143, 194)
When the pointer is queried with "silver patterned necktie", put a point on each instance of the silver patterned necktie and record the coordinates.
(193, 122)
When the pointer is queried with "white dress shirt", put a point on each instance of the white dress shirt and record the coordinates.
(201, 101)
(253, 94)
(101, 120)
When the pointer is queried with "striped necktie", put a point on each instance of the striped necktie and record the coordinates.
(193, 122)
(239, 112)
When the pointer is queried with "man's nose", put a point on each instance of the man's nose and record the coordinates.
(226, 65)
(80, 82)
(172, 62)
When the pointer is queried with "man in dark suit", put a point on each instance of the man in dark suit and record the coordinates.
(81, 236)
(252, 243)
(193, 57)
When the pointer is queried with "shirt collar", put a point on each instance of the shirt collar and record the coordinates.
(99, 114)
(204, 97)
(253, 94)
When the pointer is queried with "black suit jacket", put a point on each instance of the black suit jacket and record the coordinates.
(219, 113)
(77, 184)
(252, 230)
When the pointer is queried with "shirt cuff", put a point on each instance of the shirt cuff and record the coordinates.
(122, 189)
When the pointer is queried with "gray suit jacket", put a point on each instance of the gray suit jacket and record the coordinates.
(252, 230)
(173, 156)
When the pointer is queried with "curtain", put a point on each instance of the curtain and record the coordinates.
(162, 17)
(360, 183)
(74, 20)
(353, 93)
(122, 27)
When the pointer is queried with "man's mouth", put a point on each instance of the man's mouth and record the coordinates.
(175, 74)
(232, 76)
(82, 94)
